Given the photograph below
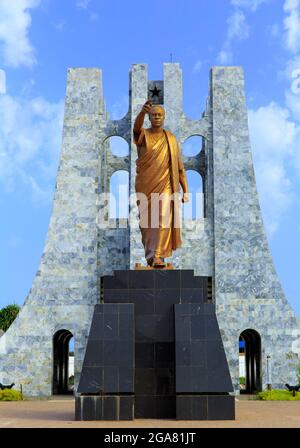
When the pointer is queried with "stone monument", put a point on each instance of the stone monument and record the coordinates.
(225, 254)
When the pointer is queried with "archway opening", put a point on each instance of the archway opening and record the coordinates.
(250, 361)
(118, 146)
(194, 209)
(63, 363)
(192, 146)
(119, 198)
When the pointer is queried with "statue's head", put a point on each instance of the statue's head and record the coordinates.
(157, 116)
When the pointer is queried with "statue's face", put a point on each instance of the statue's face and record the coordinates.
(157, 116)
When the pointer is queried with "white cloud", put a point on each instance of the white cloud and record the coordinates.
(30, 136)
(197, 66)
(2, 81)
(82, 4)
(94, 17)
(292, 25)
(60, 25)
(250, 4)
(275, 139)
(225, 57)
(15, 21)
(237, 29)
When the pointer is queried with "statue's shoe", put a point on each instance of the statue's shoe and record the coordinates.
(158, 263)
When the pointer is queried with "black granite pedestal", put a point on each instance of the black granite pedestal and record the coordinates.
(155, 351)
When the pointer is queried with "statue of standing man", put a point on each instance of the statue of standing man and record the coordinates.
(159, 175)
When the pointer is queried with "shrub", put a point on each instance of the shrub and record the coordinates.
(278, 395)
(10, 395)
(298, 375)
(242, 380)
(8, 315)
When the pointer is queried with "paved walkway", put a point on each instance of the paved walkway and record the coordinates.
(59, 413)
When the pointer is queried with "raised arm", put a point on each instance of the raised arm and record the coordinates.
(139, 121)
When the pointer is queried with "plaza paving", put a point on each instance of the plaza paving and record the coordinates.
(59, 413)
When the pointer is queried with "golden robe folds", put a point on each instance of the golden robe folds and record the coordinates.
(159, 171)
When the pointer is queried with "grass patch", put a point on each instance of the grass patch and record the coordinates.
(10, 395)
(278, 395)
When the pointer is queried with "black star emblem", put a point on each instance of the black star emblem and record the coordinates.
(155, 92)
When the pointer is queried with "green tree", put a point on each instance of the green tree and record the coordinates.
(298, 375)
(8, 315)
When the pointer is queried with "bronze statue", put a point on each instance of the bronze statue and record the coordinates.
(159, 173)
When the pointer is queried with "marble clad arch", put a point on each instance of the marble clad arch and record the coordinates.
(229, 244)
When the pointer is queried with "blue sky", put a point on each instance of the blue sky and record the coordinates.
(40, 39)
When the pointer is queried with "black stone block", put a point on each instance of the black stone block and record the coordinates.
(198, 327)
(126, 380)
(164, 354)
(111, 309)
(199, 353)
(164, 328)
(182, 328)
(126, 308)
(199, 379)
(98, 407)
(141, 279)
(125, 353)
(78, 405)
(96, 331)
(145, 328)
(88, 408)
(167, 279)
(145, 406)
(122, 279)
(145, 382)
(183, 379)
(111, 352)
(183, 407)
(110, 325)
(144, 355)
(104, 408)
(126, 408)
(116, 296)
(163, 385)
(126, 326)
(188, 280)
(94, 353)
(165, 407)
(91, 380)
(143, 301)
(165, 299)
(183, 353)
(189, 295)
(209, 308)
(196, 309)
(110, 408)
(217, 367)
(199, 408)
(212, 331)
(221, 407)
(119, 280)
(111, 379)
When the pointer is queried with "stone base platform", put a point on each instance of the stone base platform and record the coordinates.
(155, 351)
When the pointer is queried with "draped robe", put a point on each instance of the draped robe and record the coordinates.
(159, 169)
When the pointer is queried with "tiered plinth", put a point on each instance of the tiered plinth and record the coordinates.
(155, 351)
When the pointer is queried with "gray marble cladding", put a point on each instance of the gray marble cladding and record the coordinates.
(228, 244)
